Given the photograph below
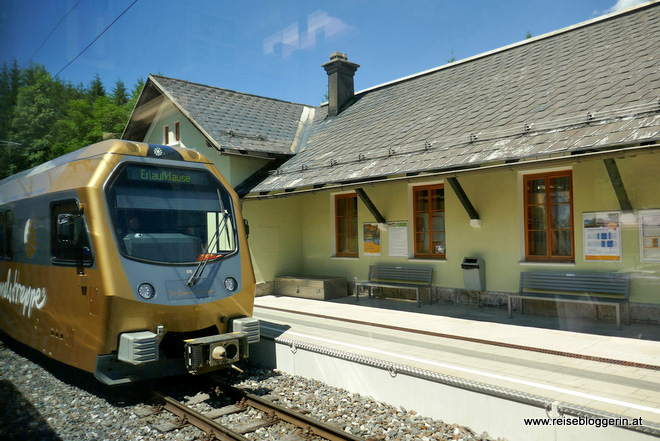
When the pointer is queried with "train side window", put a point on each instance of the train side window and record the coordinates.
(7, 230)
(67, 252)
(2, 235)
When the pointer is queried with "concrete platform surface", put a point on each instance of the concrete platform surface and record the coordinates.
(598, 367)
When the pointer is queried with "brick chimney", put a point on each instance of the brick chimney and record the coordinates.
(340, 82)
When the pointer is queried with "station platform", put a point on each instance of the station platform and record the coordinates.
(589, 364)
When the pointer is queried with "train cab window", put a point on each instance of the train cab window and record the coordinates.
(171, 215)
(6, 221)
(70, 249)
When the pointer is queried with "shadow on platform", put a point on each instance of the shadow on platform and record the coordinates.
(603, 327)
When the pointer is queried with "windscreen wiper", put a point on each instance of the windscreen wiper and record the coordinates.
(199, 269)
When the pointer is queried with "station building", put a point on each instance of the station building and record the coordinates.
(542, 155)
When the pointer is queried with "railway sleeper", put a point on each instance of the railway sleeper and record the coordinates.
(295, 436)
(252, 426)
(222, 411)
(167, 426)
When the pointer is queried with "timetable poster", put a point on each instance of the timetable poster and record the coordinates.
(649, 235)
(371, 239)
(398, 239)
(602, 236)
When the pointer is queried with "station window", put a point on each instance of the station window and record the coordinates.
(429, 216)
(346, 225)
(64, 251)
(177, 132)
(166, 135)
(549, 217)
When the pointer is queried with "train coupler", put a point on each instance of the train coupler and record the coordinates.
(207, 354)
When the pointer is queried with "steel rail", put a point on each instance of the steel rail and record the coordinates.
(297, 419)
(210, 427)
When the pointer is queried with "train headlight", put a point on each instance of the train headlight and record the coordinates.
(231, 284)
(146, 291)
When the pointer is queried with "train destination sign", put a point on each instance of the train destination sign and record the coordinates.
(166, 175)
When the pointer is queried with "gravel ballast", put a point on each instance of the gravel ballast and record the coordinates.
(45, 400)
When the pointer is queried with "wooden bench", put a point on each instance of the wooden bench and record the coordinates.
(594, 288)
(398, 276)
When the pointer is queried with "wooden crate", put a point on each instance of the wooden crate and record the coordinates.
(311, 287)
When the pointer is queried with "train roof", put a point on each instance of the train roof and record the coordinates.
(13, 188)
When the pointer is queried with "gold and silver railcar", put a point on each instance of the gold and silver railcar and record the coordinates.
(127, 260)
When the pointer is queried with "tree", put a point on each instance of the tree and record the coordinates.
(43, 118)
(10, 81)
(137, 90)
(95, 89)
(119, 93)
(33, 118)
(71, 130)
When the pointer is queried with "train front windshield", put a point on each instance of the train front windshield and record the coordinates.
(171, 215)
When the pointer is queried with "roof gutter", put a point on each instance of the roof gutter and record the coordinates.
(246, 154)
(567, 159)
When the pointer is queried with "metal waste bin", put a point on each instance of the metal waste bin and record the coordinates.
(474, 274)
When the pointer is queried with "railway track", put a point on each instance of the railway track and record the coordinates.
(269, 414)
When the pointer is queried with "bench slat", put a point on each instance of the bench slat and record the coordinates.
(573, 282)
(586, 287)
(573, 279)
(577, 282)
(568, 297)
(400, 273)
(597, 288)
(570, 276)
(398, 276)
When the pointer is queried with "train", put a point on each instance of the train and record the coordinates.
(127, 260)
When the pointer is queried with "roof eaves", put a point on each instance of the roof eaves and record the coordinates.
(613, 151)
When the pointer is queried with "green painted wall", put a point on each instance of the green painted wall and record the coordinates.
(242, 168)
(303, 226)
(167, 115)
(275, 242)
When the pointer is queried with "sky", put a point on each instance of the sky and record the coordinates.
(270, 48)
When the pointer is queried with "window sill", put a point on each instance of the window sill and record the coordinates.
(344, 258)
(545, 263)
(425, 259)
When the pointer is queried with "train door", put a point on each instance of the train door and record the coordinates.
(72, 259)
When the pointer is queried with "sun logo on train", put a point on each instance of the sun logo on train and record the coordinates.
(30, 239)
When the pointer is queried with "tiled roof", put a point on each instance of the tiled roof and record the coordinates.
(591, 86)
(235, 120)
